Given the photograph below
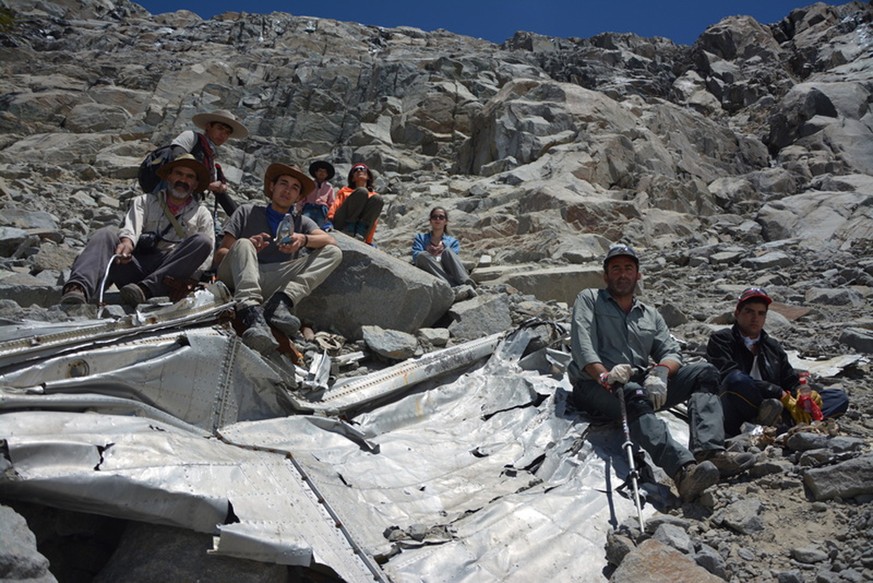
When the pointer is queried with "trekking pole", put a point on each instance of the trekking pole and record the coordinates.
(100, 303)
(629, 448)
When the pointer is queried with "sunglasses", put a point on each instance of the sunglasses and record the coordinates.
(438, 217)
(753, 291)
(359, 169)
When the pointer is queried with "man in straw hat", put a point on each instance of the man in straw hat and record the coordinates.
(165, 234)
(218, 127)
(256, 265)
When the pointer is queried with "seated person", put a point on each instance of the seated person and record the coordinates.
(436, 252)
(167, 235)
(319, 201)
(357, 207)
(218, 127)
(255, 266)
(757, 381)
(615, 339)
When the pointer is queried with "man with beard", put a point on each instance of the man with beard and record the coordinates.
(166, 234)
(257, 265)
(620, 344)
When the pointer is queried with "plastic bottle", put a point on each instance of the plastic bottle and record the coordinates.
(285, 230)
(804, 399)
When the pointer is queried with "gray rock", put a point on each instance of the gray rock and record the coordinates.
(834, 297)
(709, 558)
(389, 344)
(846, 479)
(808, 555)
(675, 537)
(19, 558)
(147, 552)
(743, 516)
(858, 339)
(435, 336)
(673, 315)
(372, 288)
(480, 316)
(770, 260)
(655, 562)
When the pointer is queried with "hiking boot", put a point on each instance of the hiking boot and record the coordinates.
(73, 295)
(729, 463)
(694, 478)
(277, 312)
(133, 295)
(769, 412)
(256, 334)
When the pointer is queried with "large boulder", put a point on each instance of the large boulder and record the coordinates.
(373, 288)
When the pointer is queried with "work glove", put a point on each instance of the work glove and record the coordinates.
(619, 375)
(797, 409)
(327, 227)
(656, 385)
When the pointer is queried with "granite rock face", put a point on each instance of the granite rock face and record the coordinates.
(745, 158)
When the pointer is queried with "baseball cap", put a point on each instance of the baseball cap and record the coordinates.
(621, 249)
(752, 293)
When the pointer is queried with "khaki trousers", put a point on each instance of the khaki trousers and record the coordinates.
(252, 282)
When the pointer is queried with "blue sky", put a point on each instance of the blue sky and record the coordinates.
(680, 20)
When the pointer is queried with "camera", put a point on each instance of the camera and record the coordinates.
(148, 242)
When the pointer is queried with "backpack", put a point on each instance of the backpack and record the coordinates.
(148, 169)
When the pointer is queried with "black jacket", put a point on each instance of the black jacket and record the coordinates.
(727, 352)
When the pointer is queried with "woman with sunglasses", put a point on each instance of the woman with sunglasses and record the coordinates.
(357, 207)
(436, 251)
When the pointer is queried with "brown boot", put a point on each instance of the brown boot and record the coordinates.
(729, 463)
(694, 478)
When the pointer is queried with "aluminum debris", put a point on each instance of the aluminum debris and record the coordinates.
(487, 475)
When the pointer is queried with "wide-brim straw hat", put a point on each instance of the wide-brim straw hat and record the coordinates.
(322, 164)
(188, 161)
(278, 169)
(201, 120)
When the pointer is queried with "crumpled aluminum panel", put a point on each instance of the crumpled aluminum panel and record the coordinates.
(201, 376)
(491, 477)
(143, 470)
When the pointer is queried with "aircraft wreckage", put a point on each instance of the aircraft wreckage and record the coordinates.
(465, 464)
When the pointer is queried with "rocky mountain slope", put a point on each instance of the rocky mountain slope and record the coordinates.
(745, 158)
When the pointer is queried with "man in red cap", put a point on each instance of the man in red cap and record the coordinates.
(757, 380)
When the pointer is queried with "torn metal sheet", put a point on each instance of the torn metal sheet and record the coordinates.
(202, 376)
(827, 368)
(347, 395)
(31, 341)
(490, 477)
(143, 470)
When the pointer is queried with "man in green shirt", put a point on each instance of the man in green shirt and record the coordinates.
(619, 343)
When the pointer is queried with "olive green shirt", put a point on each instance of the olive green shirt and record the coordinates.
(602, 332)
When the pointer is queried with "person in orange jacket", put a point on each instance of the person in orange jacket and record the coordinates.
(357, 206)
